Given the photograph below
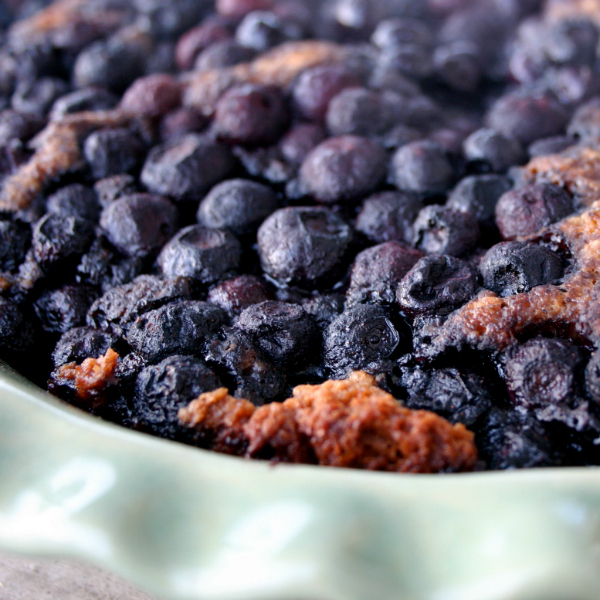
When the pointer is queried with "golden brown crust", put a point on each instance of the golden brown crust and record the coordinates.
(222, 415)
(92, 376)
(58, 152)
(348, 423)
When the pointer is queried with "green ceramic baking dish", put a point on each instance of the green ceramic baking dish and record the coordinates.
(188, 524)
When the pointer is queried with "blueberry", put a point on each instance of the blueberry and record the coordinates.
(251, 114)
(111, 188)
(176, 328)
(152, 96)
(16, 333)
(389, 216)
(443, 230)
(180, 121)
(410, 59)
(62, 309)
(237, 204)
(422, 167)
(302, 244)
(192, 42)
(186, 168)
(458, 397)
(118, 307)
(478, 195)
(458, 65)
(358, 111)
(525, 210)
(15, 239)
(360, 339)
(493, 150)
(139, 224)
(299, 141)
(74, 200)
(286, 333)
(56, 239)
(436, 285)
(343, 168)
(585, 124)
(378, 270)
(206, 255)
(515, 267)
(511, 440)
(573, 41)
(111, 63)
(550, 145)
(224, 53)
(113, 151)
(527, 118)
(250, 372)
(37, 96)
(262, 30)
(543, 372)
(324, 308)
(18, 125)
(236, 294)
(79, 343)
(86, 99)
(169, 19)
(162, 389)
(316, 86)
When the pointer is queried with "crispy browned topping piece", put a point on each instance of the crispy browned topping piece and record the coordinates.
(347, 423)
(278, 67)
(92, 376)
(57, 152)
(572, 9)
(64, 15)
(490, 322)
(221, 414)
(577, 170)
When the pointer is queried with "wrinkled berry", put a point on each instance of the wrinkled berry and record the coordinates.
(443, 230)
(360, 339)
(37, 96)
(113, 151)
(74, 200)
(152, 96)
(262, 30)
(299, 141)
(285, 332)
(422, 167)
(92, 98)
(80, 343)
(437, 284)
(526, 210)
(203, 254)
(237, 204)
(176, 328)
(302, 244)
(225, 53)
(162, 389)
(186, 168)
(251, 114)
(62, 309)
(343, 168)
(388, 216)
(15, 240)
(515, 267)
(234, 295)
(495, 151)
(377, 271)
(140, 224)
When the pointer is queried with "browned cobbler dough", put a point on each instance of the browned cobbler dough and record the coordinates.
(347, 423)
(92, 376)
(493, 323)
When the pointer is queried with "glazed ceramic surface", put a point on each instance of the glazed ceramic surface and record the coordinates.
(188, 524)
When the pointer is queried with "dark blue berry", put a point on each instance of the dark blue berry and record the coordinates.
(186, 168)
(79, 343)
(302, 244)
(176, 328)
(223, 53)
(493, 151)
(525, 210)
(237, 204)
(436, 285)
(113, 151)
(389, 216)
(343, 168)
(74, 200)
(139, 224)
(62, 309)
(37, 96)
(91, 98)
(236, 294)
(15, 239)
(262, 30)
(206, 255)
(515, 267)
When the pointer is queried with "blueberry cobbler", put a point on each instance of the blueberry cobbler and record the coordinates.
(356, 233)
